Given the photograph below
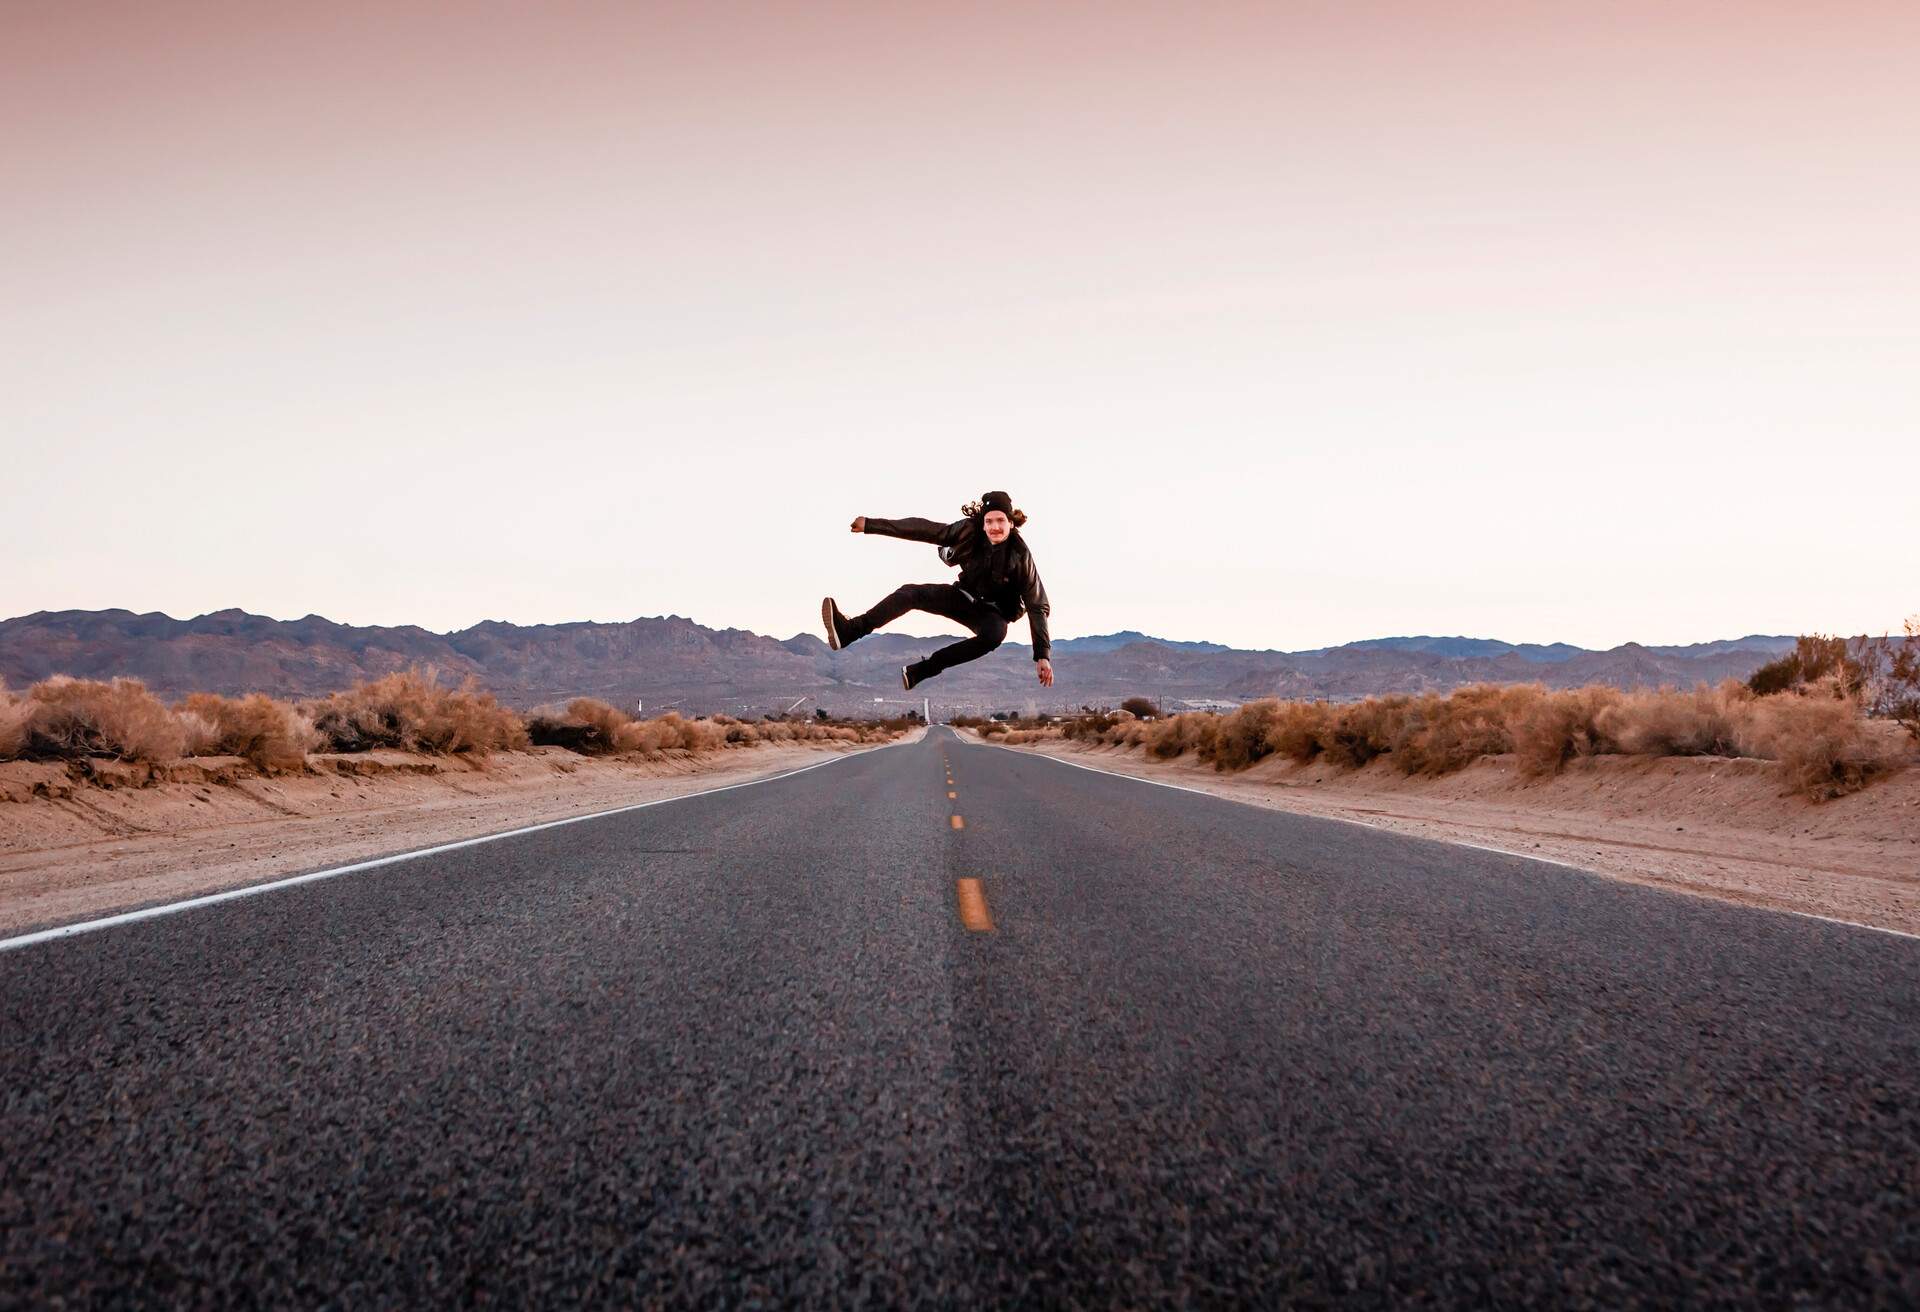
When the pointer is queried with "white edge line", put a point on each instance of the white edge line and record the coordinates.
(1456, 842)
(253, 890)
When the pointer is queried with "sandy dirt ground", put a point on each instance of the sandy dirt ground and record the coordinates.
(69, 851)
(1720, 828)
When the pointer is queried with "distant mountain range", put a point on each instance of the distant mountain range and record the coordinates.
(672, 661)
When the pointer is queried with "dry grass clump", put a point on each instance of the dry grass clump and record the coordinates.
(1244, 735)
(594, 728)
(819, 731)
(65, 718)
(737, 733)
(1296, 730)
(1893, 667)
(671, 732)
(1441, 734)
(1179, 734)
(1700, 722)
(1842, 665)
(270, 734)
(1824, 743)
(411, 711)
(1361, 731)
(1093, 727)
(587, 726)
(797, 731)
(1432, 734)
(1562, 726)
(15, 713)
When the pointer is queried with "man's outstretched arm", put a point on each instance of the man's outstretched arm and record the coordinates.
(1034, 597)
(914, 530)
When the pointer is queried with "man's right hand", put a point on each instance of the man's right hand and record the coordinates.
(859, 523)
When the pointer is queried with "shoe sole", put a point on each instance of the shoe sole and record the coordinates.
(826, 618)
(905, 682)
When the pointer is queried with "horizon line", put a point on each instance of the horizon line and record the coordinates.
(802, 633)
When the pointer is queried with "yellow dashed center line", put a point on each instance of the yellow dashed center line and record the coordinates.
(973, 905)
(958, 823)
(951, 796)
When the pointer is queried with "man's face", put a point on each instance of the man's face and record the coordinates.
(998, 526)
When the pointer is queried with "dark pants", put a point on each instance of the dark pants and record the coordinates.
(944, 599)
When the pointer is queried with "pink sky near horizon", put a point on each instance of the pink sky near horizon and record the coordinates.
(1289, 324)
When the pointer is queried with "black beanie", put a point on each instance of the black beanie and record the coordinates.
(1000, 501)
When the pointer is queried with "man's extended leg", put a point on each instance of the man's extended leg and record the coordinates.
(942, 599)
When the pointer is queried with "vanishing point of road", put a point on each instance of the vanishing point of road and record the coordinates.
(948, 1025)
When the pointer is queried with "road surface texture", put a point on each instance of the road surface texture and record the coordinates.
(743, 1049)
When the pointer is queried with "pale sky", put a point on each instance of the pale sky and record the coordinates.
(1288, 324)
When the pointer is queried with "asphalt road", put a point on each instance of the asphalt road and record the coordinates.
(741, 1049)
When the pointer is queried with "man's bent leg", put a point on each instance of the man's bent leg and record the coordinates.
(989, 631)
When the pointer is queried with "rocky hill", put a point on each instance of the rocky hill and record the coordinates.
(670, 660)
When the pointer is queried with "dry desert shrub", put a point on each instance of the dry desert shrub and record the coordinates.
(1560, 727)
(587, 726)
(649, 737)
(1823, 744)
(1361, 731)
(272, 735)
(831, 731)
(1090, 728)
(1242, 736)
(671, 732)
(15, 712)
(1179, 734)
(413, 712)
(70, 718)
(1298, 730)
(1841, 664)
(592, 727)
(814, 730)
(776, 731)
(702, 736)
(604, 720)
(737, 733)
(1702, 722)
(1439, 734)
(1895, 684)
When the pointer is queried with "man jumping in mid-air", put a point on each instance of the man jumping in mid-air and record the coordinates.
(997, 580)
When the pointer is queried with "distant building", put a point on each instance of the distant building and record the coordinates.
(1209, 704)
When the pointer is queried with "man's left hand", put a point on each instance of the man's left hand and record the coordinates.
(1045, 669)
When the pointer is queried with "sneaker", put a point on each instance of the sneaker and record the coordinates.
(836, 624)
(907, 679)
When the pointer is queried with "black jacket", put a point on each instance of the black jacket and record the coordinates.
(1004, 577)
